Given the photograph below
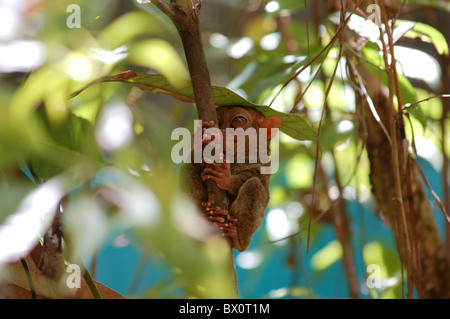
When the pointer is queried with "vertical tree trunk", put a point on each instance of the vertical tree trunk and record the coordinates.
(432, 272)
(186, 18)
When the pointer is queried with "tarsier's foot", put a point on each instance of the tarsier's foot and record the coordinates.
(222, 221)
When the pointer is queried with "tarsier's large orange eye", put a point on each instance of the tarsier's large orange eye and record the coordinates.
(238, 121)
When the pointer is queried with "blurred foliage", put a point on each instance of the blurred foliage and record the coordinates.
(108, 149)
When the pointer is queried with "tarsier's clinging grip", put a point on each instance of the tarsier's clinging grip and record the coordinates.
(246, 188)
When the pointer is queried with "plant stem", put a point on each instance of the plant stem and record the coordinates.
(186, 18)
(396, 150)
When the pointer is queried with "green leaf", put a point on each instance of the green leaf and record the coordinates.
(427, 34)
(160, 56)
(327, 256)
(293, 125)
(17, 138)
(66, 144)
(129, 26)
(362, 26)
(259, 76)
(331, 136)
(375, 63)
(12, 197)
(438, 4)
(292, 5)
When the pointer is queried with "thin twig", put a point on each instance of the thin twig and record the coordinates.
(410, 105)
(29, 279)
(435, 196)
(164, 7)
(327, 47)
(369, 101)
(316, 166)
(393, 128)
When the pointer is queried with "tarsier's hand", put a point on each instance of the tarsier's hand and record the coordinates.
(222, 221)
(219, 173)
(206, 136)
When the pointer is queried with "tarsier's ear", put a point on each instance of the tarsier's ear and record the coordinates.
(270, 122)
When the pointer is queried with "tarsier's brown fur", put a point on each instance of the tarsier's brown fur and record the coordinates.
(247, 189)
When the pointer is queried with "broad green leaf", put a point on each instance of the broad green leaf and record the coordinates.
(47, 86)
(375, 63)
(331, 136)
(362, 26)
(11, 197)
(66, 145)
(129, 26)
(292, 5)
(401, 29)
(438, 4)
(17, 138)
(293, 125)
(428, 34)
(201, 266)
(259, 76)
(159, 55)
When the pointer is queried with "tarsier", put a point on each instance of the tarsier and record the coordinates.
(246, 188)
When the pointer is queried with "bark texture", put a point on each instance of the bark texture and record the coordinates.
(428, 261)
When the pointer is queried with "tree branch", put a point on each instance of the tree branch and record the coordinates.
(164, 7)
(186, 17)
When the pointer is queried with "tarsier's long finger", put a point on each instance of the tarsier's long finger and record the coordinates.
(219, 220)
(208, 124)
(204, 126)
(209, 206)
(222, 165)
(216, 214)
(230, 232)
(232, 219)
(228, 228)
(210, 171)
(219, 216)
(212, 178)
(206, 204)
(209, 209)
(211, 139)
